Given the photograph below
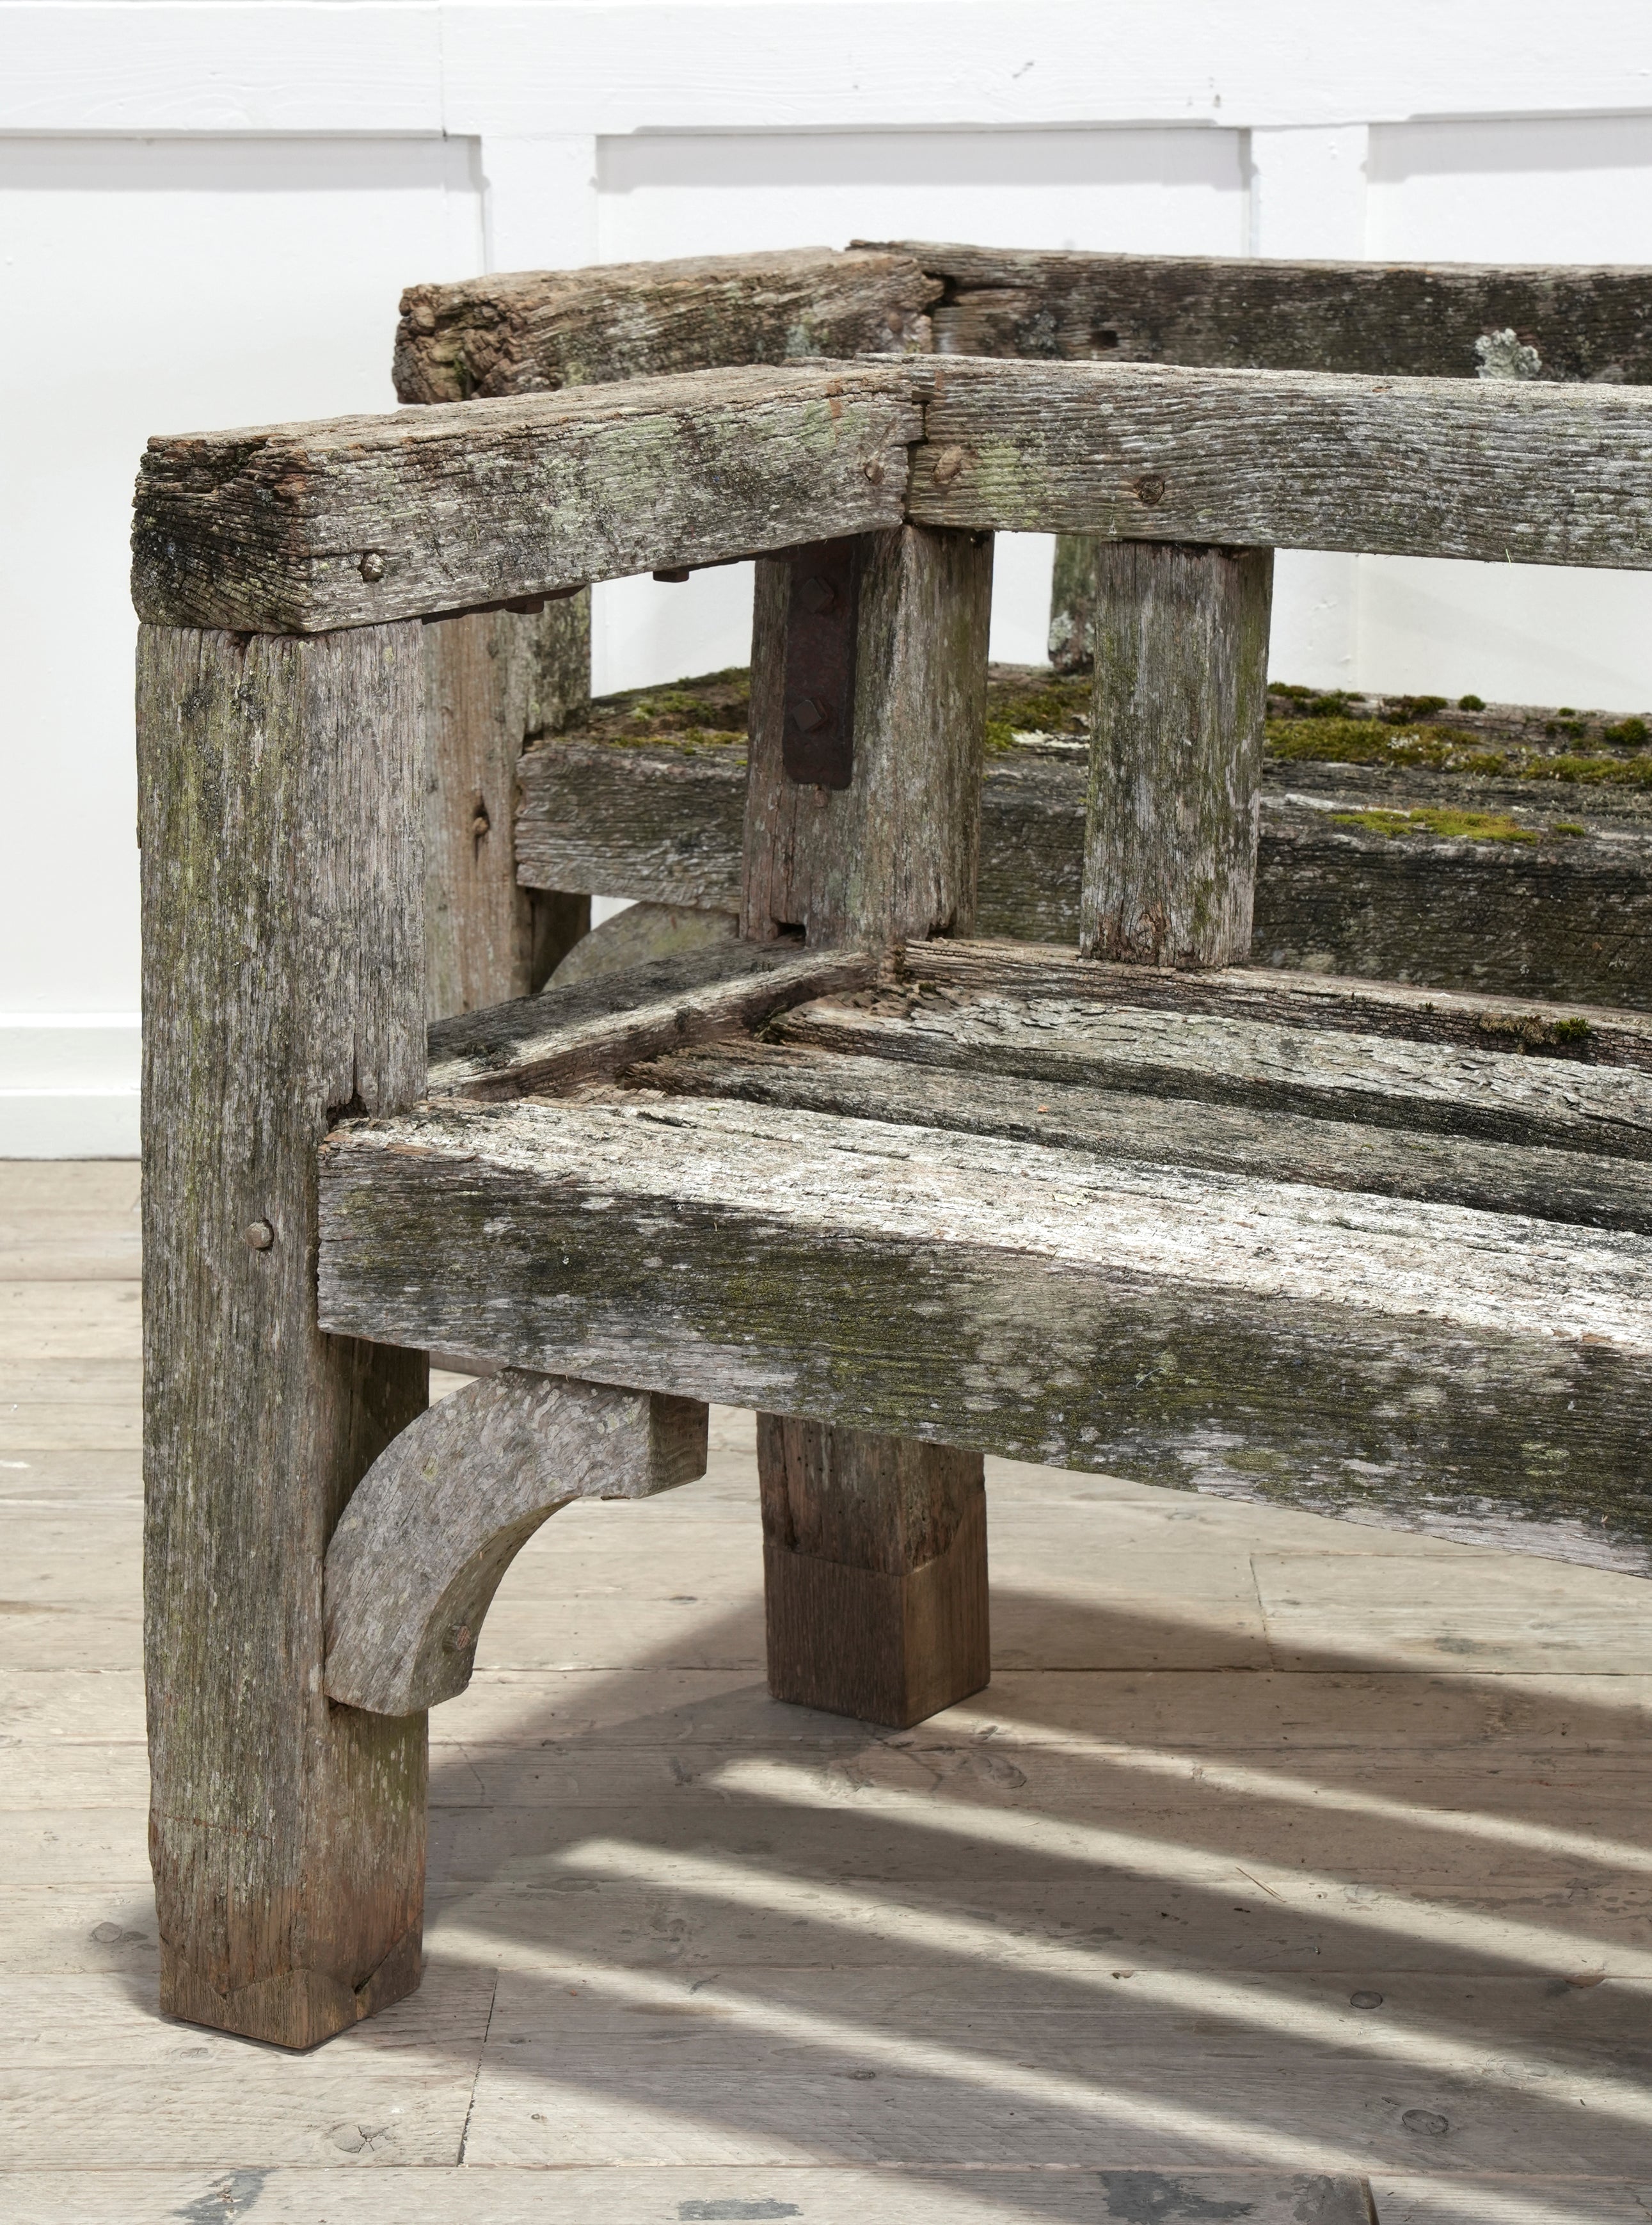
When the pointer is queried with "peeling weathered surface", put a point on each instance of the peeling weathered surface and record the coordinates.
(1218, 1060)
(529, 332)
(1585, 1033)
(1364, 1356)
(566, 1035)
(491, 680)
(421, 1550)
(298, 529)
(1497, 471)
(871, 1082)
(1418, 320)
(1175, 757)
(281, 795)
(894, 854)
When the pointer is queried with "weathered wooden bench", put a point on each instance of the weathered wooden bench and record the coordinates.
(911, 1197)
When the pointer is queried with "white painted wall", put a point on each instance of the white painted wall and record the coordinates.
(207, 212)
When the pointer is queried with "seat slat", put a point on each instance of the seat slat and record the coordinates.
(1273, 1146)
(1377, 1358)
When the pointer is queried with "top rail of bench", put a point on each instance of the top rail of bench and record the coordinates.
(304, 528)
(1409, 320)
(529, 331)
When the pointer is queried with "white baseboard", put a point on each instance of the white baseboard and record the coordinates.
(69, 1084)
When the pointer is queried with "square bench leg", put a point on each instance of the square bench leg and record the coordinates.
(281, 800)
(875, 1570)
(874, 1547)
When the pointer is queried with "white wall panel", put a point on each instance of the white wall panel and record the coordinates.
(1533, 189)
(159, 286)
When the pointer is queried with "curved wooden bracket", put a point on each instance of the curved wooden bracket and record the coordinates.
(443, 1511)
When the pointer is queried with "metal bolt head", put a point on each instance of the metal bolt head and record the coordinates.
(260, 1235)
(818, 595)
(808, 715)
(371, 567)
(1149, 490)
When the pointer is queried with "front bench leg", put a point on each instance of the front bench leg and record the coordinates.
(283, 982)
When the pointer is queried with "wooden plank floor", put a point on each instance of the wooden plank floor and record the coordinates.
(1274, 1847)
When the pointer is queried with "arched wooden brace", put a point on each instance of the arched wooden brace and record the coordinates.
(446, 1508)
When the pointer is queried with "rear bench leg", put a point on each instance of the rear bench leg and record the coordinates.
(283, 984)
(875, 1570)
(862, 822)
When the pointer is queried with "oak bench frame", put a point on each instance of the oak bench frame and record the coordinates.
(320, 1547)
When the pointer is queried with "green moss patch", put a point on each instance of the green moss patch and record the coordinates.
(1451, 825)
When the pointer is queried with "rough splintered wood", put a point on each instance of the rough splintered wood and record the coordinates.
(566, 1035)
(1216, 1059)
(1417, 320)
(1377, 1359)
(1559, 916)
(1589, 1034)
(493, 679)
(874, 1571)
(421, 1550)
(1501, 471)
(894, 853)
(1175, 757)
(283, 982)
(864, 1081)
(299, 529)
(529, 332)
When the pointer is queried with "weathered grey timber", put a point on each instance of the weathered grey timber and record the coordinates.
(298, 529)
(566, 1035)
(1273, 1145)
(419, 1551)
(1382, 1359)
(659, 823)
(493, 681)
(1220, 1059)
(1175, 758)
(1295, 1000)
(1413, 319)
(280, 797)
(872, 1622)
(1500, 471)
(1555, 916)
(874, 1571)
(894, 854)
(529, 332)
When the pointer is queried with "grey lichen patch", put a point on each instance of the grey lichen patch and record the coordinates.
(1505, 355)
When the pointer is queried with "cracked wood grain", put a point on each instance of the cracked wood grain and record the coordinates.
(1375, 1357)
(299, 529)
(283, 980)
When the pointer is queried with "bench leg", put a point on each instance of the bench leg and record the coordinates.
(874, 1572)
(283, 986)
(494, 680)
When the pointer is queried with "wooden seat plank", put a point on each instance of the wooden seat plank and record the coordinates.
(1364, 1356)
(566, 1035)
(1273, 1145)
(1217, 1059)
